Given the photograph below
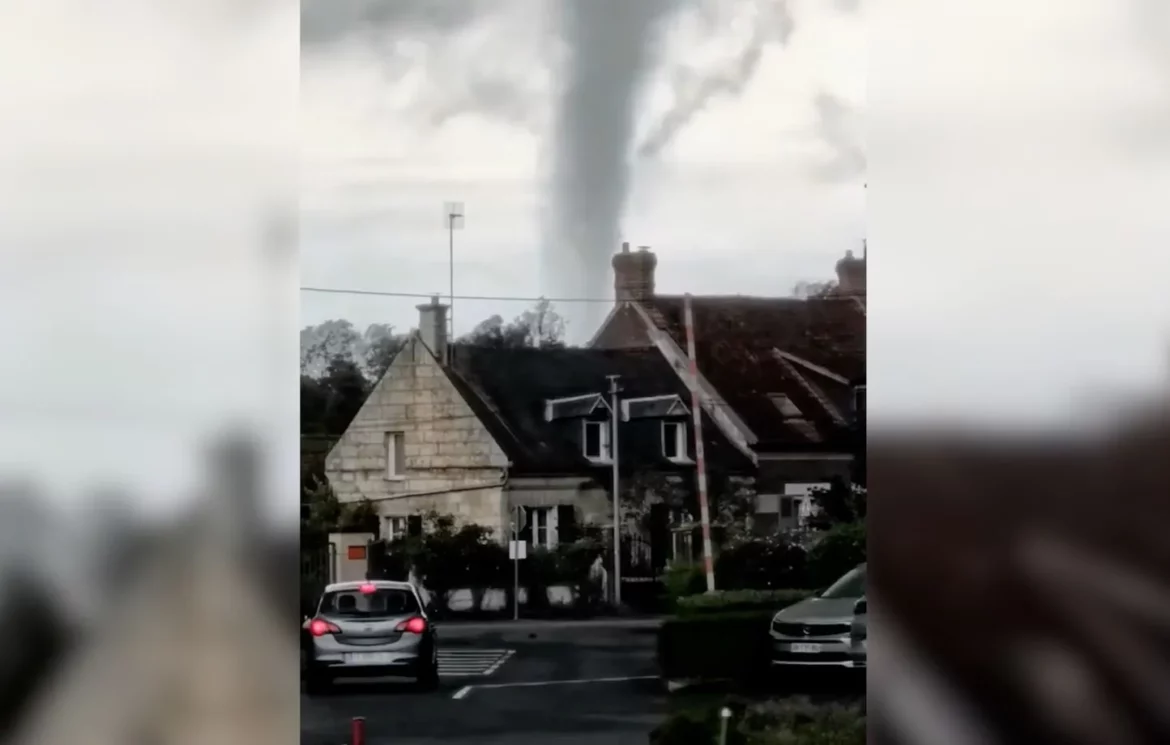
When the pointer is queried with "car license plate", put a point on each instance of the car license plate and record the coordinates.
(806, 648)
(369, 658)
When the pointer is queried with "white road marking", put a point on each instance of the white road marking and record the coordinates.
(471, 662)
(463, 692)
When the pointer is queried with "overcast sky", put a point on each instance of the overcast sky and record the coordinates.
(1016, 156)
(743, 200)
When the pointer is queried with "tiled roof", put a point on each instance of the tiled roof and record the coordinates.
(737, 340)
(507, 388)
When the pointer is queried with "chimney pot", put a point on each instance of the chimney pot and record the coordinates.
(851, 275)
(633, 273)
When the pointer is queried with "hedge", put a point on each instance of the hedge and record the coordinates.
(727, 601)
(788, 721)
(722, 646)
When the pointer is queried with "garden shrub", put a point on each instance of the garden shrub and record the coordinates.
(716, 646)
(725, 601)
(836, 552)
(793, 721)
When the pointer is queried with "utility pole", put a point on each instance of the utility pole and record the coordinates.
(617, 509)
(700, 459)
(453, 220)
(516, 564)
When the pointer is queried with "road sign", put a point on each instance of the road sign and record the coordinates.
(517, 549)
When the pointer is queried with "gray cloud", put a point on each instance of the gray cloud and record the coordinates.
(327, 23)
(837, 126)
(772, 23)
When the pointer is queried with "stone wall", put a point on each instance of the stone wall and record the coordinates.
(452, 464)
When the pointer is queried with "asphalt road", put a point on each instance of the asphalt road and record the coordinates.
(566, 684)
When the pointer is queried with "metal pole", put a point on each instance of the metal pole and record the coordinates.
(617, 510)
(700, 460)
(516, 565)
(451, 258)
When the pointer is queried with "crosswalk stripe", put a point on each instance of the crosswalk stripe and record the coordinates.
(470, 662)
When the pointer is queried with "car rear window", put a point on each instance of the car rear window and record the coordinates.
(385, 601)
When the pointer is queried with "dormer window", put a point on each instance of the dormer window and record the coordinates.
(573, 407)
(596, 441)
(654, 407)
(674, 441)
(784, 405)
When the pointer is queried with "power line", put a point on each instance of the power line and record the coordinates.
(518, 299)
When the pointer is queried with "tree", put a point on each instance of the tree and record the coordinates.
(539, 327)
(326, 342)
(381, 352)
(805, 290)
(371, 350)
(327, 514)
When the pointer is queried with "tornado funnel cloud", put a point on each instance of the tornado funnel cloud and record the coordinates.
(609, 52)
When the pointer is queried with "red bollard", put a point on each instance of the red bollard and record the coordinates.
(357, 731)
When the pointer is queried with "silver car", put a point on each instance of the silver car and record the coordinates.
(859, 633)
(818, 630)
(370, 629)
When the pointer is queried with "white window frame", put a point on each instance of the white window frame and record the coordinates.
(543, 519)
(393, 532)
(680, 441)
(393, 441)
(606, 441)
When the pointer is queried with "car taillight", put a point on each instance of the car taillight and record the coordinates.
(317, 627)
(415, 625)
(368, 589)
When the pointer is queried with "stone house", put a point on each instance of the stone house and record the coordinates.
(782, 378)
(482, 433)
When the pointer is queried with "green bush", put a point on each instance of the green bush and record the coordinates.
(837, 552)
(683, 580)
(761, 563)
(731, 601)
(782, 722)
(716, 646)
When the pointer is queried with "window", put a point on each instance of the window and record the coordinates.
(674, 441)
(789, 507)
(540, 527)
(383, 602)
(395, 456)
(395, 528)
(597, 441)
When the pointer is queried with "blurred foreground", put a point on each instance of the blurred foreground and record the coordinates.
(1023, 587)
(188, 640)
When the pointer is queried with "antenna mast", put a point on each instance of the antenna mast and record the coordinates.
(453, 220)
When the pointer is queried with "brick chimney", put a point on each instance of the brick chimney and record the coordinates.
(633, 273)
(432, 327)
(851, 275)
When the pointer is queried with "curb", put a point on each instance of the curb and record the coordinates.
(535, 625)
